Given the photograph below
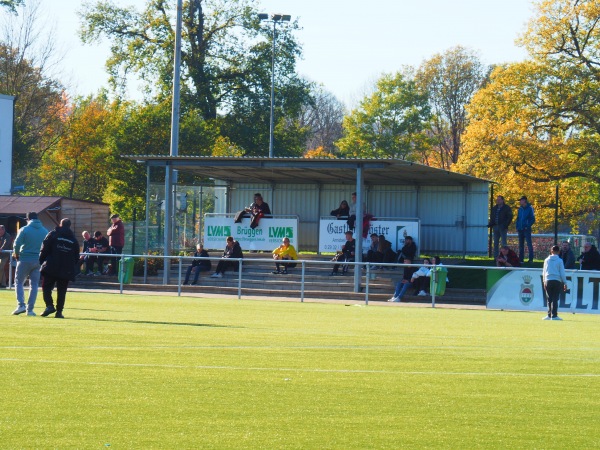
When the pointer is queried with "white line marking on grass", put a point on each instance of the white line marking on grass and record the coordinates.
(308, 370)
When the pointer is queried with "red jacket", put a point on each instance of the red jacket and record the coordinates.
(116, 234)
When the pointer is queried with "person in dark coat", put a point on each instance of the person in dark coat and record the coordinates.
(590, 258)
(198, 265)
(500, 218)
(233, 250)
(566, 254)
(408, 250)
(58, 257)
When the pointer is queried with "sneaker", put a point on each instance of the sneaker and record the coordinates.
(90, 274)
(215, 275)
(276, 272)
(31, 313)
(422, 293)
(394, 299)
(193, 284)
(284, 272)
(547, 318)
(556, 318)
(97, 274)
(333, 274)
(59, 315)
(49, 310)
(19, 310)
(218, 275)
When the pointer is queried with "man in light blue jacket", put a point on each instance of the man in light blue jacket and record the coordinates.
(27, 252)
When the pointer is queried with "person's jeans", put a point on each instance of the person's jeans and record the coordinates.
(401, 289)
(25, 269)
(499, 238)
(525, 235)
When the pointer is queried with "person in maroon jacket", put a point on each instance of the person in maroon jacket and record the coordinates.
(507, 258)
(116, 240)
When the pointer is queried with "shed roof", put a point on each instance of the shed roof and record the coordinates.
(17, 205)
(309, 170)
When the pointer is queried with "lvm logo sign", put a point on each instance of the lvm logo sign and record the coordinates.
(219, 231)
(281, 232)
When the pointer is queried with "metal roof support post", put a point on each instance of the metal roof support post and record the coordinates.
(465, 205)
(358, 226)
(147, 235)
(174, 144)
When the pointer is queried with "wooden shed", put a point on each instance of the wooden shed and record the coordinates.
(84, 215)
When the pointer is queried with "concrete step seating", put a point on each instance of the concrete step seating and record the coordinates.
(258, 279)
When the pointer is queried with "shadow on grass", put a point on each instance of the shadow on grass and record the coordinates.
(151, 322)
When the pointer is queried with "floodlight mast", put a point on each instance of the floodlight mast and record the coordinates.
(274, 19)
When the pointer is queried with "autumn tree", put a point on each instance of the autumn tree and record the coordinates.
(450, 80)
(389, 123)
(537, 123)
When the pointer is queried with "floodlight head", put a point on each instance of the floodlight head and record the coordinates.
(276, 17)
(263, 16)
(286, 17)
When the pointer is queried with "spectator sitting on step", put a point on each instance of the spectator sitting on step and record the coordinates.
(405, 283)
(87, 244)
(372, 254)
(198, 265)
(507, 258)
(420, 279)
(343, 211)
(99, 246)
(285, 252)
(232, 251)
(346, 254)
(408, 250)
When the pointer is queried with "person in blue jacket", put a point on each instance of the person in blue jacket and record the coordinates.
(26, 251)
(525, 219)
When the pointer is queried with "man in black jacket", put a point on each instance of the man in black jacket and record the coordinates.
(500, 218)
(58, 257)
(589, 258)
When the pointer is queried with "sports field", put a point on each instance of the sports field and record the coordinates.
(165, 372)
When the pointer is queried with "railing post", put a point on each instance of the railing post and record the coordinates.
(433, 287)
(180, 266)
(121, 273)
(240, 280)
(302, 282)
(368, 276)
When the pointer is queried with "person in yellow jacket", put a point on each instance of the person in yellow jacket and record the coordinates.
(285, 252)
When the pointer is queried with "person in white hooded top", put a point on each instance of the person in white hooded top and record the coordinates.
(555, 282)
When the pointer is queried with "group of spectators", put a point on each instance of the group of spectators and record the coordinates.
(102, 248)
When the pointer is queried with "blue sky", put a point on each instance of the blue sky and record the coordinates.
(347, 43)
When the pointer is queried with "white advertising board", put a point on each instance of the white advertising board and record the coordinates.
(523, 290)
(6, 142)
(332, 233)
(266, 236)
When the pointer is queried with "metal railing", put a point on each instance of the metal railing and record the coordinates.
(303, 265)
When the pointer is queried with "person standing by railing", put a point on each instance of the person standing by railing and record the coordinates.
(5, 245)
(525, 220)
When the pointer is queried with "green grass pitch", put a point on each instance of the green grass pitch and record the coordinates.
(136, 371)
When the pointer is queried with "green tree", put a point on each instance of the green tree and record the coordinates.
(11, 4)
(390, 123)
(450, 79)
(226, 64)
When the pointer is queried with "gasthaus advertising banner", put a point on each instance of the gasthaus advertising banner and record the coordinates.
(332, 233)
(523, 290)
(266, 236)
